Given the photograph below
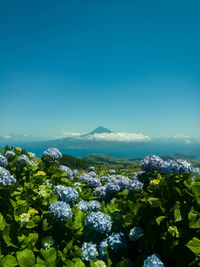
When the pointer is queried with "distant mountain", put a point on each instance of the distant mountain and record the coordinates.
(79, 142)
(100, 130)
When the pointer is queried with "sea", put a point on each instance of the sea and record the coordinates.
(137, 152)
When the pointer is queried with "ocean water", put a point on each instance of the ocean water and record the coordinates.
(137, 152)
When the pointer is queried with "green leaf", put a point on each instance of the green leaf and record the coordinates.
(177, 215)
(26, 258)
(160, 219)
(70, 263)
(46, 226)
(78, 262)
(30, 224)
(2, 222)
(49, 255)
(194, 246)
(194, 219)
(9, 233)
(123, 263)
(9, 261)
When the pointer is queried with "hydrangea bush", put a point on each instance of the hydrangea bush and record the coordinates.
(52, 215)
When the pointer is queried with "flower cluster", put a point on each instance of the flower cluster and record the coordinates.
(100, 263)
(136, 233)
(75, 173)
(99, 221)
(176, 166)
(90, 179)
(91, 168)
(10, 153)
(83, 206)
(111, 171)
(102, 253)
(68, 170)
(68, 194)
(48, 182)
(112, 189)
(116, 241)
(89, 251)
(153, 261)
(24, 218)
(23, 160)
(52, 153)
(61, 210)
(95, 205)
(48, 242)
(57, 189)
(6, 178)
(42, 192)
(3, 161)
(151, 163)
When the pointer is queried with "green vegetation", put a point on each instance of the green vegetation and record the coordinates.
(166, 208)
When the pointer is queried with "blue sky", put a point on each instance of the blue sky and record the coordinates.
(70, 66)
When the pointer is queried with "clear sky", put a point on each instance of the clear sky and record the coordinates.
(69, 65)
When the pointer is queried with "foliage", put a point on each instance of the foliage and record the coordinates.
(161, 219)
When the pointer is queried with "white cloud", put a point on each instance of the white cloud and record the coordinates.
(120, 137)
(68, 134)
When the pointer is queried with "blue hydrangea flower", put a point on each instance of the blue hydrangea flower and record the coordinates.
(176, 166)
(136, 233)
(136, 185)
(100, 191)
(6, 178)
(3, 161)
(104, 178)
(151, 163)
(83, 206)
(99, 221)
(75, 173)
(196, 171)
(92, 174)
(48, 182)
(23, 160)
(111, 171)
(102, 253)
(89, 251)
(153, 261)
(60, 210)
(69, 194)
(10, 153)
(91, 168)
(68, 170)
(136, 174)
(93, 182)
(95, 205)
(57, 189)
(112, 188)
(116, 241)
(52, 153)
